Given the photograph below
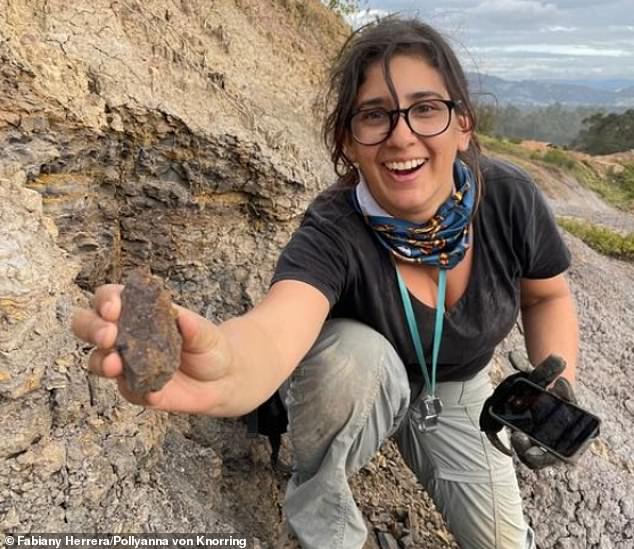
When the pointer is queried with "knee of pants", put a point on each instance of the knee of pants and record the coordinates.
(331, 392)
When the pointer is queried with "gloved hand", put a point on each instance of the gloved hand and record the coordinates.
(530, 454)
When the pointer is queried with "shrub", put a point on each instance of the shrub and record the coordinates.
(603, 240)
(615, 188)
(343, 7)
(556, 157)
(606, 133)
(559, 158)
(624, 179)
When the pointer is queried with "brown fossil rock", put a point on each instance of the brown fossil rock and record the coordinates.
(149, 341)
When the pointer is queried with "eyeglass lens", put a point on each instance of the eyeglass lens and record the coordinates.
(425, 118)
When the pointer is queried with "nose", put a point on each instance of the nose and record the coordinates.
(402, 135)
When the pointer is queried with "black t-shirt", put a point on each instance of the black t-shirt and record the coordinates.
(514, 237)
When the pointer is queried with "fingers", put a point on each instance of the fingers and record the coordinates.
(563, 389)
(520, 442)
(548, 370)
(107, 301)
(90, 327)
(98, 326)
(534, 457)
(105, 363)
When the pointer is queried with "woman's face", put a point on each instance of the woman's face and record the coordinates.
(415, 194)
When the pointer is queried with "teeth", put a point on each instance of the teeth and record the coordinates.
(408, 165)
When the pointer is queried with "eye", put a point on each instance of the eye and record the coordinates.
(426, 109)
(373, 116)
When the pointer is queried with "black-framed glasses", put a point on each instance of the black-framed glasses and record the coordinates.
(426, 118)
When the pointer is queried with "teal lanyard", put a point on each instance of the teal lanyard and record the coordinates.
(413, 327)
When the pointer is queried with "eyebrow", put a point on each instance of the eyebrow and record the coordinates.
(381, 101)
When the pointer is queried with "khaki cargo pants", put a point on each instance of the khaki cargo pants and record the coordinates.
(346, 397)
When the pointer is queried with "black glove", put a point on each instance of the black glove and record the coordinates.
(530, 454)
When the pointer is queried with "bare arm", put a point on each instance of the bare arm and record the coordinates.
(268, 342)
(225, 370)
(550, 321)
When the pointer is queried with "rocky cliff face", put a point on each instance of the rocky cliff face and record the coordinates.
(180, 135)
(192, 118)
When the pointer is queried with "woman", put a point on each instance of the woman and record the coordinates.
(353, 329)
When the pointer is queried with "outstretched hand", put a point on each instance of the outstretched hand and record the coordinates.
(204, 377)
(547, 372)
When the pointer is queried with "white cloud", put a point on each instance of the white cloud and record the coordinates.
(515, 8)
(621, 28)
(572, 38)
(558, 28)
(575, 50)
(365, 16)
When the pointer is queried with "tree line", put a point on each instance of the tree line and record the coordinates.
(584, 128)
(606, 133)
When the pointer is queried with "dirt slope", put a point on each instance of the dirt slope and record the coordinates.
(567, 195)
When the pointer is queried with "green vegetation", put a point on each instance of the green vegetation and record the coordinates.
(556, 157)
(504, 146)
(553, 124)
(606, 133)
(617, 188)
(343, 7)
(624, 180)
(601, 239)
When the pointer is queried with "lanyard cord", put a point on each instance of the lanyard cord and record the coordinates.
(413, 327)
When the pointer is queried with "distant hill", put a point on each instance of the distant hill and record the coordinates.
(543, 92)
(613, 84)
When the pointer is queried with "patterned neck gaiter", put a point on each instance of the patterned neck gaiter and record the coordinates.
(442, 241)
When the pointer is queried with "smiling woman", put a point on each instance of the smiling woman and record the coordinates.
(387, 304)
(411, 177)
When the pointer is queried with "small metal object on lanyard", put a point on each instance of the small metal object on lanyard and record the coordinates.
(430, 405)
(430, 409)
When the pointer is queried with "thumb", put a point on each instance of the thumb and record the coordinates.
(199, 334)
(520, 442)
(548, 370)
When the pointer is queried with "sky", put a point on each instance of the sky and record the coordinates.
(531, 39)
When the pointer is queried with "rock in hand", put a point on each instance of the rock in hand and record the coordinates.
(148, 341)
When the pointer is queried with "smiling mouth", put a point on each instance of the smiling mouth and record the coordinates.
(405, 168)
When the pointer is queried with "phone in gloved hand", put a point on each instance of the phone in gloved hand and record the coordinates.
(557, 425)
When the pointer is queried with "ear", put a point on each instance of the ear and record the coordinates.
(465, 129)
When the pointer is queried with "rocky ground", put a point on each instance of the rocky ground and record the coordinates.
(568, 198)
(181, 135)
